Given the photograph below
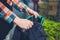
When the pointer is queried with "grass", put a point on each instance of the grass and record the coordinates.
(52, 29)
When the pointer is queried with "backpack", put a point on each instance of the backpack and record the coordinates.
(34, 33)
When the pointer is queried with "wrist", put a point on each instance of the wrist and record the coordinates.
(16, 19)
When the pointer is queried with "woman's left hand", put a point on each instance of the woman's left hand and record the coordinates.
(35, 14)
(31, 12)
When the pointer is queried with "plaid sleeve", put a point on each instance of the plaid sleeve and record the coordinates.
(19, 5)
(1, 14)
(8, 15)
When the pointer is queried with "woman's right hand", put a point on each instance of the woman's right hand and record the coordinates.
(23, 23)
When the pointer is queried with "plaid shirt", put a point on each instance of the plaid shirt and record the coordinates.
(6, 12)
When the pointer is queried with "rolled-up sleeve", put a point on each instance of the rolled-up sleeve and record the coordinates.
(19, 5)
(2, 14)
(6, 13)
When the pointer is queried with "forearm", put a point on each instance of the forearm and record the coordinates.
(20, 6)
(30, 11)
(9, 16)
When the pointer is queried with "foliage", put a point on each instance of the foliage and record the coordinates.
(52, 29)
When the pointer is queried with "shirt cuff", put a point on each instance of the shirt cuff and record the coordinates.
(1, 15)
(10, 18)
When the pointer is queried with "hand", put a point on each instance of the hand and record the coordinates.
(31, 12)
(23, 23)
(35, 14)
(9, 2)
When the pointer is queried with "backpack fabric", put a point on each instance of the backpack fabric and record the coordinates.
(34, 33)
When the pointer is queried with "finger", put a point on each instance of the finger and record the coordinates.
(36, 15)
(26, 27)
(29, 26)
(31, 22)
